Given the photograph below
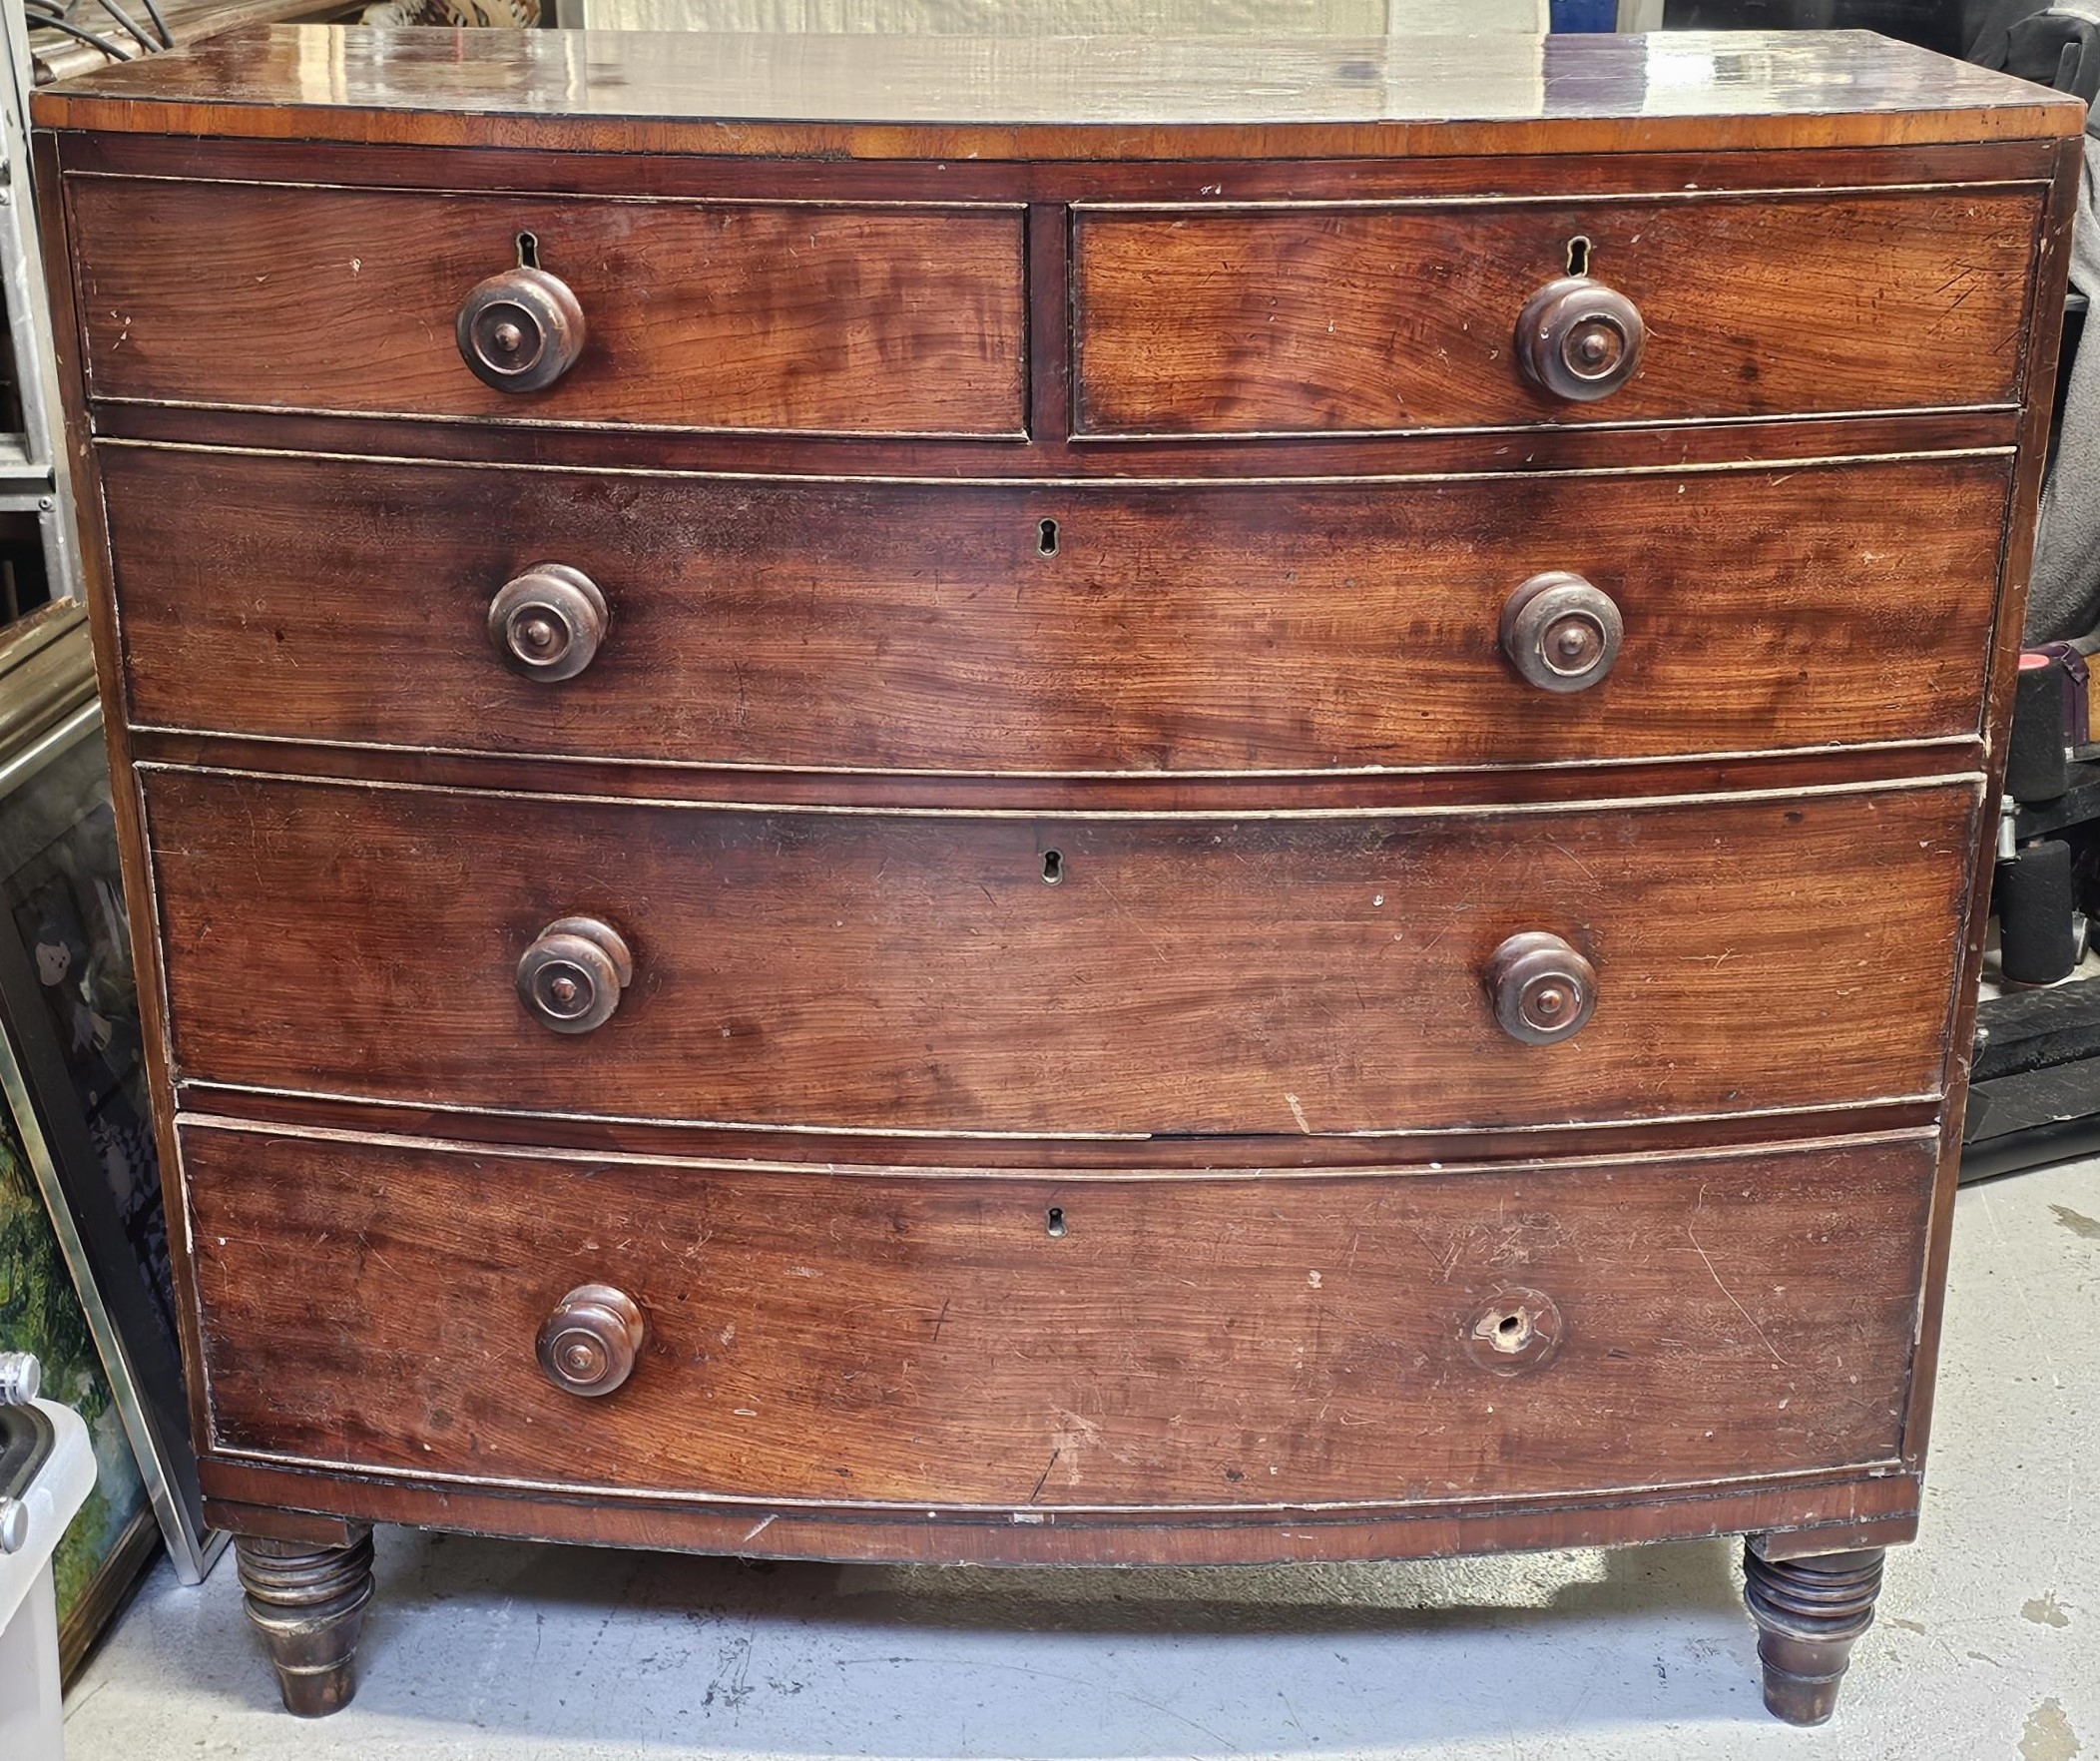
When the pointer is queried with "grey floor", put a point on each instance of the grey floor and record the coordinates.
(1988, 1642)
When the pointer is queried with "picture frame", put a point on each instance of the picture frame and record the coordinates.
(72, 1068)
(114, 1535)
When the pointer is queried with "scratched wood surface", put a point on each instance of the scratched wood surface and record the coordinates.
(1199, 1341)
(1235, 627)
(772, 317)
(1272, 320)
(936, 98)
(1815, 1512)
(1237, 974)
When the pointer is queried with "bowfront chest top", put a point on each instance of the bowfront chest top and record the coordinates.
(1085, 801)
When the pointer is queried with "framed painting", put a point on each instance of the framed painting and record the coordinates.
(72, 1057)
(116, 1533)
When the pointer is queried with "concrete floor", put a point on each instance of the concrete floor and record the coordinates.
(1988, 1642)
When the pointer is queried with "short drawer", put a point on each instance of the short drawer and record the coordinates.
(738, 315)
(882, 1336)
(1361, 316)
(1041, 973)
(1049, 627)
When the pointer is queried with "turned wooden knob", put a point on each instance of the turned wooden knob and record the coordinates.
(571, 978)
(1580, 339)
(588, 1346)
(521, 330)
(548, 622)
(1561, 633)
(1541, 989)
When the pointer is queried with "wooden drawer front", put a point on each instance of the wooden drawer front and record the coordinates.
(699, 316)
(1210, 1340)
(1215, 627)
(882, 971)
(1367, 318)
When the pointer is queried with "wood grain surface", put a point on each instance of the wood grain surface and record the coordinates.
(1875, 1508)
(1264, 1151)
(1055, 791)
(1274, 320)
(257, 158)
(883, 971)
(894, 1337)
(1050, 453)
(834, 319)
(1228, 627)
(935, 98)
(2052, 272)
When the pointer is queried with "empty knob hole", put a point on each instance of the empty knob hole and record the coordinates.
(1046, 538)
(1511, 1333)
(1054, 1220)
(1579, 254)
(1053, 866)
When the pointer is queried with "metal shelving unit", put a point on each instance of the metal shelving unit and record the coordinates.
(33, 480)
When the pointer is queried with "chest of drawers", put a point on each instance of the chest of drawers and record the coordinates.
(1027, 803)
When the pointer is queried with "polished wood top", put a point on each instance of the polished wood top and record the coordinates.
(931, 97)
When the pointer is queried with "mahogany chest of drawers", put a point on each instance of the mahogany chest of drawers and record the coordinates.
(1031, 802)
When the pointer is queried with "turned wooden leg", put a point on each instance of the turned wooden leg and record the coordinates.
(1809, 1614)
(308, 1602)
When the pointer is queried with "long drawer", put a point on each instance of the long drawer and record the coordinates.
(1320, 972)
(734, 315)
(1367, 317)
(1051, 627)
(1035, 1341)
